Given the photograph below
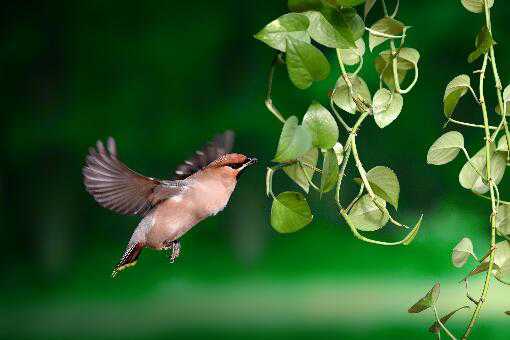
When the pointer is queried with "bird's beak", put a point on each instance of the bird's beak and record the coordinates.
(249, 162)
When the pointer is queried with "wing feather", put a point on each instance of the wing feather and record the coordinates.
(219, 146)
(116, 187)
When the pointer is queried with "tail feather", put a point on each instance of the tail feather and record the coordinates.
(129, 258)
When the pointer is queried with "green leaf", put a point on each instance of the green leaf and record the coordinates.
(445, 148)
(290, 212)
(412, 235)
(501, 269)
(385, 25)
(322, 31)
(367, 216)
(330, 169)
(349, 18)
(304, 5)
(299, 172)
(506, 101)
(483, 43)
(470, 179)
(305, 63)
(383, 66)
(502, 144)
(352, 56)
(476, 6)
(462, 251)
(386, 107)
(409, 57)
(427, 301)
(454, 91)
(321, 125)
(350, 3)
(339, 152)
(342, 97)
(436, 327)
(291, 25)
(294, 141)
(503, 219)
(385, 184)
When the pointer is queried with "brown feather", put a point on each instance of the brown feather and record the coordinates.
(116, 187)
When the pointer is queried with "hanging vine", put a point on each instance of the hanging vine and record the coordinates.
(481, 174)
(301, 37)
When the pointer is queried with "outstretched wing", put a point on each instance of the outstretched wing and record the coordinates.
(116, 187)
(220, 145)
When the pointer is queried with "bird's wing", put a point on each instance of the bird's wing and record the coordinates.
(116, 187)
(220, 145)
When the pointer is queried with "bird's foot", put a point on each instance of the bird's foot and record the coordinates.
(175, 248)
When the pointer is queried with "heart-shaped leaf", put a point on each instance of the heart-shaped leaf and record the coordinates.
(454, 91)
(470, 179)
(506, 101)
(367, 216)
(290, 212)
(305, 63)
(462, 251)
(427, 301)
(292, 25)
(322, 31)
(483, 43)
(503, 219)
(386, 25)
(383, 66)
(445, 148)
(476, 6)
(299, 172)
(294, 142)
(321, 125)
(330, 169)
(342, 96)
(501, 268)
(352, 56)
(385, 184)
(386, 107)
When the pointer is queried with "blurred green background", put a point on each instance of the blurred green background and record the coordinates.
(163, 77)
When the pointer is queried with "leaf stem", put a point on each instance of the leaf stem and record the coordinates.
(481, 126)
(441, 324)
(269, 102)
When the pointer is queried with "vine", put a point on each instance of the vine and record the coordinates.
(481, 174)
(300, 37)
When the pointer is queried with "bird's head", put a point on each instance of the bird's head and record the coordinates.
(234, 163)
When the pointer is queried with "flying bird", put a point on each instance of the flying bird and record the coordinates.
(169, 208)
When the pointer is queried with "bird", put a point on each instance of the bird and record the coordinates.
(201, 187)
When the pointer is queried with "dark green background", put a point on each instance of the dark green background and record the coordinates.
(162, 77)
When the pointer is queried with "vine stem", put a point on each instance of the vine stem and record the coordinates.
(442, 325)
(485, 289)
(269, 101)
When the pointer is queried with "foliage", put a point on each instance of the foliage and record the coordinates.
(302, 39)
(481, 174)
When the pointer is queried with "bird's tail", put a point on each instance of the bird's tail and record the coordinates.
(129, 258)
